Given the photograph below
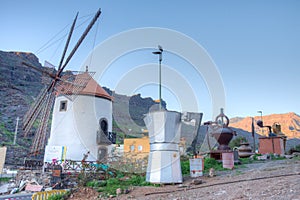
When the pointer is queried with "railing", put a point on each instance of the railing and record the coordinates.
(71, 165)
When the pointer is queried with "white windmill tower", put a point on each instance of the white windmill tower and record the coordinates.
(75, 130)
(84, 124)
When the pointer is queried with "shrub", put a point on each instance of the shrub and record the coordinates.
(237, 141)
(212, 163)
(185, 167)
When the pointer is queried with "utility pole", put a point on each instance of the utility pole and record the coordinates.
(16, 130)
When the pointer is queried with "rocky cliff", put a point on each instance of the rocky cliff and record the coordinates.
(290, 124)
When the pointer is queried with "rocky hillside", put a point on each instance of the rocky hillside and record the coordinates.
(129, 111)
(19, 86)
(290, 123)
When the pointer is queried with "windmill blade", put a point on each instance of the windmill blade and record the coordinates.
(67, 43)
(79, 42)
(41, 135)
(34, 111)
(38, 69)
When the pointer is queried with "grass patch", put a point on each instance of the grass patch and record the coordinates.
(273, 157)
(110, 186)
(246, 161)
(59, 196)
(4, 179)
(185, 166)
(208, 163)
(212, 163)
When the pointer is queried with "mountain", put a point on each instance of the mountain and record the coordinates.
(129, 111)
(290, 123)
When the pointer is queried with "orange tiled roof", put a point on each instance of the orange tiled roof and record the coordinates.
(92, 88)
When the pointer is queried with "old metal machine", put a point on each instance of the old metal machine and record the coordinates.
(222, 133)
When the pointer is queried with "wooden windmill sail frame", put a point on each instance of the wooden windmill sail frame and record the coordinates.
(44, 103)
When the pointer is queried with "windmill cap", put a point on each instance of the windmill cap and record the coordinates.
(92, 88)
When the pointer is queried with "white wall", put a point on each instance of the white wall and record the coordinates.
(78, 130)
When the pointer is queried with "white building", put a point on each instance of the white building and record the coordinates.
(81, 125)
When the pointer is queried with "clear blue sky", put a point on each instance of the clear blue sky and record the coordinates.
(254, 44)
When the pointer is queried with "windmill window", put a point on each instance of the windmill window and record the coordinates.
(132, 148)
(63, 106)
(104, 126)
(140, 147)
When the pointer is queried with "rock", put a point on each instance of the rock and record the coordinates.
(212, 172)
(126, 191)
(296, 154)
(182, 186)
(288, 156)
(263, 157)
(118, 191)
(196, 182)
(48, 189)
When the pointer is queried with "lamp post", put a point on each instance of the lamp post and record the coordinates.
(159, 73)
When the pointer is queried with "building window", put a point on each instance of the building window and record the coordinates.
(132, 148)
(140, 148)
(63, 106)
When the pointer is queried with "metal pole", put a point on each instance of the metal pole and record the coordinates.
(160, 59)
(159, 72)
(16, 130)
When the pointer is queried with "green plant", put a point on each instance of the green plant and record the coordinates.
(245, 161)
(61, 196)
(5, 131)
(4, 179)
(237, 141)
(113, 184)
(276, 157)
(56, 197)
(185, 167)
(96, 183)
(256, 155)
(212, 163)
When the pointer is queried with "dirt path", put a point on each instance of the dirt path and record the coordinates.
(265, 180)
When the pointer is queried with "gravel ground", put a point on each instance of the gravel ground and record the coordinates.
(234, 184)
(273, 179)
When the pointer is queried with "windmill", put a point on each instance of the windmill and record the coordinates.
(43, 105)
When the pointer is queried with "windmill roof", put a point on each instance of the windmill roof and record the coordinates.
(82, 84)
(93, 88)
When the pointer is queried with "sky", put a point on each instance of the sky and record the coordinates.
(254, 45)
